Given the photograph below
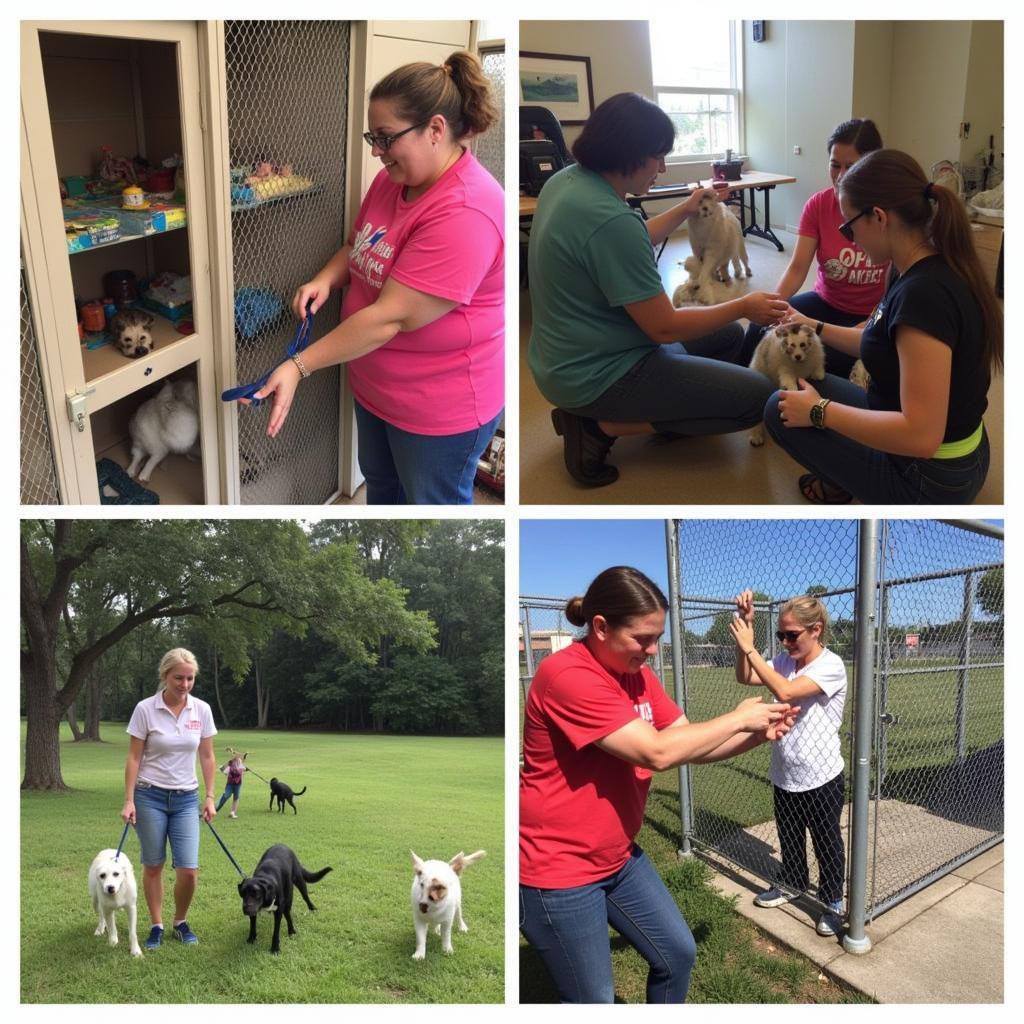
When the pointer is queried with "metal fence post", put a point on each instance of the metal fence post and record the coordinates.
(882, 755)
(964, 675)
(675, 591)
(855, 940)
(527, 647)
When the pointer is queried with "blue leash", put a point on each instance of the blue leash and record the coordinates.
(227, 851)
(124, 836)
(303, 334)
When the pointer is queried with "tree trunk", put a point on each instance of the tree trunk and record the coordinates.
(72, 717)
(262, 697)
(94, 703)
(216, 689)
(42, 736)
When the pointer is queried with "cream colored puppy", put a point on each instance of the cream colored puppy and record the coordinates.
(784, 355)
(112, 888)
(717, 239)
(437, 899)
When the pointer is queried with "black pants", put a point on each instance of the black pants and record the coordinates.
(818, 811)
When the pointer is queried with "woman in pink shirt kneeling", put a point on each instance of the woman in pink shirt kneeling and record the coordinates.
(848, 285)
(422, 329)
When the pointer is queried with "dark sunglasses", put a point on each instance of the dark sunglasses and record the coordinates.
(383, 142)
(846, 228)
(790, 634)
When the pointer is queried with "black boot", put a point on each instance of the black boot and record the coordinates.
(586, 447)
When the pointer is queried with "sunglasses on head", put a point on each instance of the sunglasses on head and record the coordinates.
(790, 634)
(846, 228)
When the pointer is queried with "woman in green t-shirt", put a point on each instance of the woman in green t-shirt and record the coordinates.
(607, 348)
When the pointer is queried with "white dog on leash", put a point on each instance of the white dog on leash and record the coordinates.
(112, 888)
(437, 899)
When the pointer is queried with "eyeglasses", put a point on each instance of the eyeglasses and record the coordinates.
(384, 142)
(846, 228)
(792, 635)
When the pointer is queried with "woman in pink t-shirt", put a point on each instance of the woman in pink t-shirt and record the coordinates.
(422, 330)
(598, 724)
(848, 285)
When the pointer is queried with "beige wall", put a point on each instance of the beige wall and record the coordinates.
(619, 52)
(872, 72)
(798, 87)
(929, 81)
(983, 104)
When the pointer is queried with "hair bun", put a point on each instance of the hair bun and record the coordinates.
(574, 611)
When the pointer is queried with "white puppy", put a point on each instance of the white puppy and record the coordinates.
(717, 239)
(112, 888)
(784, 355)
(437, 899)
(702, 290)
(165, 423)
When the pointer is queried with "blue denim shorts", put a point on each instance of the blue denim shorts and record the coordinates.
(167, 814)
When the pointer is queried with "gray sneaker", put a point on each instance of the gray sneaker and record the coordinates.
(831, 921)
(773, 897)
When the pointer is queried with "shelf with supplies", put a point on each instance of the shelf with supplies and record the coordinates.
(97, 223)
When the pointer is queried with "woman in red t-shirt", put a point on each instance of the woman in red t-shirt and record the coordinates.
(848, 285)
(598, 725)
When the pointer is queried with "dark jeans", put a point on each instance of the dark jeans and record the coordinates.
(569, 930)
(694, 389)
(816, 811)
(872, 476)
(402, 468)
(813, 305)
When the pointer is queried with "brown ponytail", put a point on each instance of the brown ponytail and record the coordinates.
(457, 89)
(894, 181)
(618, 595)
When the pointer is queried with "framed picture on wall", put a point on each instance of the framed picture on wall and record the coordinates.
(558, 81)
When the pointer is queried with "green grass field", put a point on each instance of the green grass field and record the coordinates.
(369, 800)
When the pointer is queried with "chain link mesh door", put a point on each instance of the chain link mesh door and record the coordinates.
(938, 748)
(785, 820)
(489, 149)
(287, 92)
(38, 472)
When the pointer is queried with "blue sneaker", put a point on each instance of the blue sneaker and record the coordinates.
(776, 896)
(156, 936)
(185, 933)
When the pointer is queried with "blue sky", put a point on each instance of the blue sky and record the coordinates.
(558, 558)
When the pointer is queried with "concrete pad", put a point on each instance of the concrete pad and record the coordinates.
(914, 906)
(953, 953)
(980, 864)
(993, 878)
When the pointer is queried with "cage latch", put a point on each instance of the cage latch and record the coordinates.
(77, 409)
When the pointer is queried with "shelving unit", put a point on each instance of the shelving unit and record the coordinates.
(137, 101)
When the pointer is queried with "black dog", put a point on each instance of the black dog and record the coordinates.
(273, 885)
(281, 791)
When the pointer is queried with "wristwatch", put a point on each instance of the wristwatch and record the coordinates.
(819, 327)
(818, 413)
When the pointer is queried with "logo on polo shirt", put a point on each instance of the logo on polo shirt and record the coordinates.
(195, 724)
(645, 711)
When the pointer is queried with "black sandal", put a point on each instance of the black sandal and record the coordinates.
(818, 492)
(585, 449)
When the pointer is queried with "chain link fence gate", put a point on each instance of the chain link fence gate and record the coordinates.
(929, 697)
(287, 96)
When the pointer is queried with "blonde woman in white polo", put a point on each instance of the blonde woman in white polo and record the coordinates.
(161, 792)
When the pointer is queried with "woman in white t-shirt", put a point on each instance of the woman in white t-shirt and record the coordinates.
(161, 792)
(807, 764)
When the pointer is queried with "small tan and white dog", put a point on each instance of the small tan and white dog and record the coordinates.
(437, 899)
(717, 239)
(703, 290)
(112, 888)
(784, 355)
(132, 331)
(168, 422)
